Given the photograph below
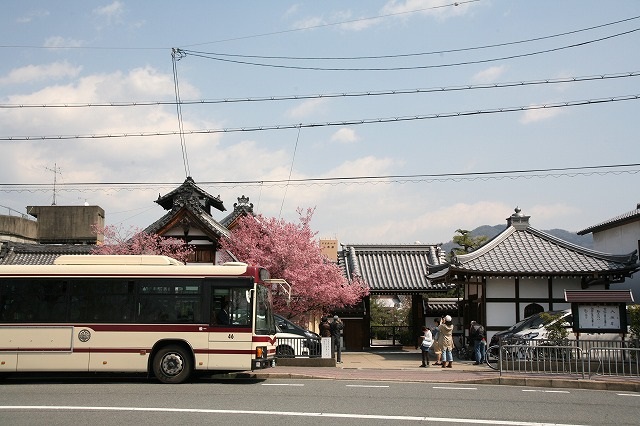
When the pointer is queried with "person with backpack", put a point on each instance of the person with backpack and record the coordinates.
(478, 339)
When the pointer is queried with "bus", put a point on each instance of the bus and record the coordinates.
(129, 313)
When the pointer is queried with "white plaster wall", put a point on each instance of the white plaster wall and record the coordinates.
(562, 284)
(533, 288)
(499, 287)
(621, 240)
(500, 314)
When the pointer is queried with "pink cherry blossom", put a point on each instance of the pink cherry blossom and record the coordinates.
(292, 252)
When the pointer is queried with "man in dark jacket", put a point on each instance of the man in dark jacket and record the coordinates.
(336, 331)
(478, 338)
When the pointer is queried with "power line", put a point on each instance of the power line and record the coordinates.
(415, 67)
(292, 30)
(556, 105)
(388, 92)
(351, 21)
(175, 56)
(435, 52)
(600, 170)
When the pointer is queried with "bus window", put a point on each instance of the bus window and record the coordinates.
(168, 302)
(231, 306)
(34, 301)
(101, 300)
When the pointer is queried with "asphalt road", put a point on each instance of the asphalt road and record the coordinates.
(321, 402)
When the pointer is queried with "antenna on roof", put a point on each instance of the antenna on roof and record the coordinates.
(55, 171)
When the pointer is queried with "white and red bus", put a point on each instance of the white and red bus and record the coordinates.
(89, 313)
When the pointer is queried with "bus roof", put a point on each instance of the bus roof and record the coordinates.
(97, 259)
(122, 266)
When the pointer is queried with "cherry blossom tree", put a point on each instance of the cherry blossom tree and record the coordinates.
(290, 251)
(136, 241)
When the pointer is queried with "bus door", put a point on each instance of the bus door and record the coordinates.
(230, 342)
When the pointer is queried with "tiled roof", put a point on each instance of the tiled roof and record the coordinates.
(631, 216)
(207, 221)
(600, 296)
(242, 207)
(38, 254)
(444, 305)
(392, 268)
(191, 190)
(521, 249)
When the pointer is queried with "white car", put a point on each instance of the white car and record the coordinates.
(535, 328)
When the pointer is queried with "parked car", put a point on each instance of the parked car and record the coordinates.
(294, 340)
(532, 327)
(535, 328)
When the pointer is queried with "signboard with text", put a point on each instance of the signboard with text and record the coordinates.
(599, 318)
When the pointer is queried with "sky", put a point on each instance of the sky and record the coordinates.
(398, 121)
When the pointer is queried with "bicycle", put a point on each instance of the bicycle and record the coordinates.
(462, 353)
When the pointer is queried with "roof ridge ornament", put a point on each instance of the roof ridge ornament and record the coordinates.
(518, 220)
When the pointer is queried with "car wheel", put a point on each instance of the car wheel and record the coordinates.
(285, 352)
(172, 365)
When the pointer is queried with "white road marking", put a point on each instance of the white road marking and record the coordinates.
(279, 413)
(544, 391)
(628, 394)
(282, 384)
(454, 388)
(367, 386)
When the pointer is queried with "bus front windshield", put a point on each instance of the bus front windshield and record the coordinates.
(265, 324)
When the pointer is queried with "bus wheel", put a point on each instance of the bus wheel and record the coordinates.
(172, 365)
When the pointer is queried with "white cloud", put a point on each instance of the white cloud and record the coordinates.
(307, 108)
(61, 42)
(404, 9)
(541, 114)
(345, 135)
(30, 73)
(490, 75)
(110, 11)
(32, 15)
(308, 23)
(439, 8)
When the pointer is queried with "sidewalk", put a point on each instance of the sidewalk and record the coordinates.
(404, 365)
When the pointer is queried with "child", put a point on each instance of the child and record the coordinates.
(426, 340)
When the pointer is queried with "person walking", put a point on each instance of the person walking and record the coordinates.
(425, 342)
(336, 331)
(437, 344)
(478, 339)
(446, 332)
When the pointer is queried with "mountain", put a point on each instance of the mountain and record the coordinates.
(491, 231)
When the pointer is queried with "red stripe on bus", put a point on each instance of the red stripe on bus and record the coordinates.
(142, 351)
(192, 328)
(35, 350)
(265, 339)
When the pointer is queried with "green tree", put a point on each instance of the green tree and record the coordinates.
(467, 242)
(557, 332)
(634, 314)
